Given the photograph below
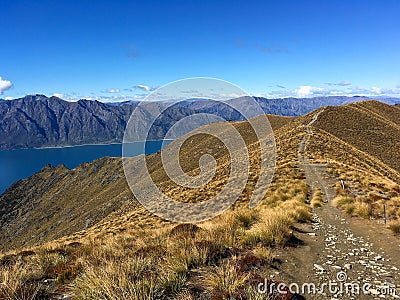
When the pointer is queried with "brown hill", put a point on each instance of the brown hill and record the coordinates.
(370, 128)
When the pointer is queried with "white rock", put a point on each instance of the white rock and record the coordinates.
(374, 292)
(348, 266)
(319, 268)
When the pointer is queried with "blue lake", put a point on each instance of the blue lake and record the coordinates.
(21, 163)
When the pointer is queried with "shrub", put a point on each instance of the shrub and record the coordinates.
(248, 262)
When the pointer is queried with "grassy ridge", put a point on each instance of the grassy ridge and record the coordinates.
(360, 144)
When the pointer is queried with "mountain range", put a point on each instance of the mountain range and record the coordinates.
(40, 121)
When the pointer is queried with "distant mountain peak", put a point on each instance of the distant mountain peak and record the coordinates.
(34, 97)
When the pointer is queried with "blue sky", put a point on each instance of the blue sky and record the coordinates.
(120, 50)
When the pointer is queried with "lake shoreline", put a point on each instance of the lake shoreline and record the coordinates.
(22, 163)
(79, 145)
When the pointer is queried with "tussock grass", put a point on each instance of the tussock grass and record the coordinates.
(114, 260)
(159, 263)
(246, 217)
(225, 278)
(362, 209)
(342, 201)
(272, 231)
(353, 206)
(265, 253)
(296, 210)
(316, 200)
(13, 284)
(345, 202)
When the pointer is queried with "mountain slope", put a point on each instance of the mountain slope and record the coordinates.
(57, 201)
(37, 121)
(371, 127)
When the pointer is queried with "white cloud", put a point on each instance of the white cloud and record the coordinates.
(4, 85)
(8, 98)
(307, 90)
(73, 97)
(113, 91)
(58, 95)
(376, 90)
(303, 91)
(342, 83)
(145, 87)
(312, 91)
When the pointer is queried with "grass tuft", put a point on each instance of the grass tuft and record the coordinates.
(394, 226)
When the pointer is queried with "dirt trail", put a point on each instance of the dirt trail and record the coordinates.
(338, 251)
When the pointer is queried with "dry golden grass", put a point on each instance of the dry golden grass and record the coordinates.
(133, 255)
(160, 262)
(371, 127)
(316, 200)
(13, 284)
(57, 202)
(225, 278)
(395, 226)
(358, 142)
